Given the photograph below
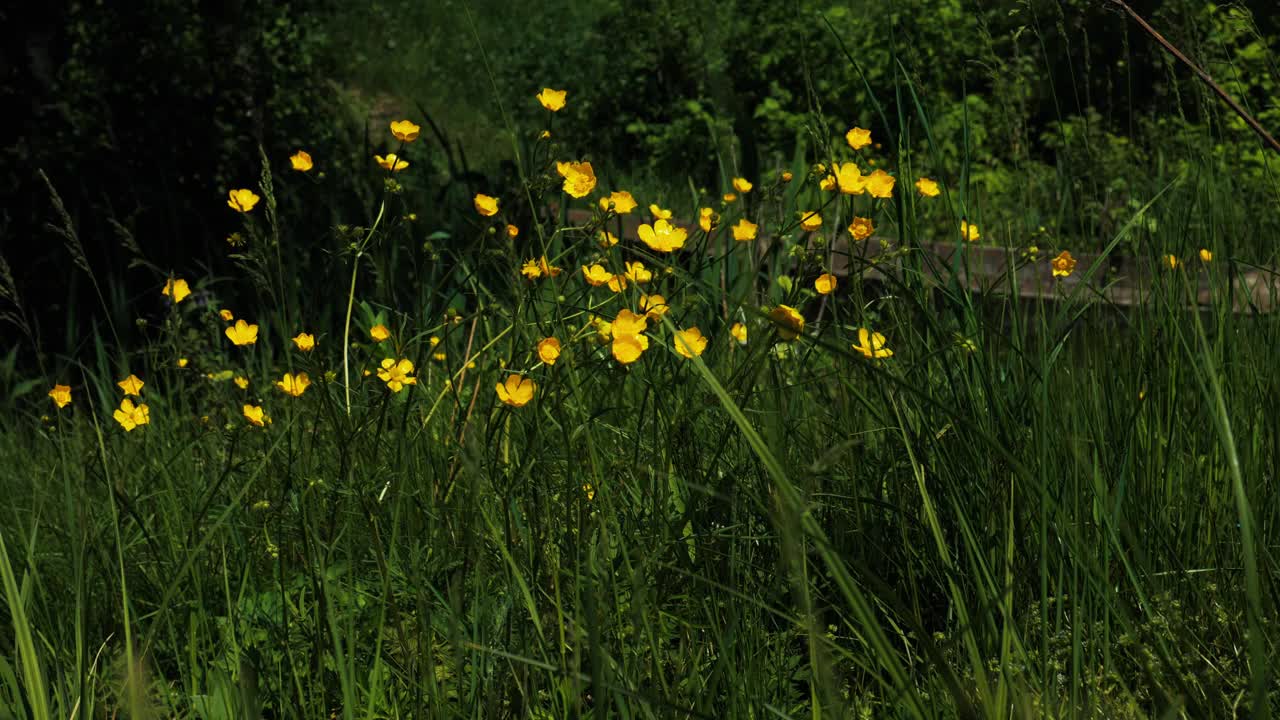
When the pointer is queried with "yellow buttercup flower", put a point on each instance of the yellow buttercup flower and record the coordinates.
(579, 178)
(880, 184)
(391, 162)
(707, 219)
(744, 230)
(828, 183)
(871, 344)
(405, 131)
(512, 230)
(788, 321)
(301, 161)
(620, 201)
(589, 491)
(739, 332)
(627, 349)
(659, 213)
(653, 306)
(242, 200)
(379, 332)
(858, 138)
(242, 333)
(927, 187)
(176, 289)
(825, 284)
(850, 180)
(517, 391)
(549, 350)
(131, 385)
(61, 395)
(637, 273)
(628, 323)
(969, 231)
(730, 197)
(662, 236)
(690, 342)
(604, 330)
(294, 385)
(256, 416)
(617, 283)
(397, 374)
(606, 239)
(486, 205)
(226, 315)
(1205, 256)
(742, 185)
(1171, 261)
(787, 176)
(861, 228)
(306, 342)
(552, 100)
(131, 416)
(1063, 265)
(242, 382)
(810, 221)
(596, 275)
(183, 362)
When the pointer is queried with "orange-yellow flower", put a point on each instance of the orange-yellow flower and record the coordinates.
(391, 162)
(1205, 255)
(787, 175)
(969, 232)
(534, 269)
(131, 416)
(517, 391)
(176, 289)
(690, 342)
(810, 221)
(242, 200)
(730, 197)
(638, 273)
(927, 187)
(788, 321)
(405, 131)
(662, 236)
(294, 385)
(659, 213)
(306, 342)
(606, 239)
(301, 161)
(739, 332)
(182, 362)
(850, 180)
(549, 350)
(1171, 261)
(552, 100)
(579, 178)
(744, 230)
(242, 382)
(512, 230)
(627, 349)
(619, 201)
(379, 332)
(880, 184)
(858, 138)
(61, 395)
(742, 185)
(596, 275)
(628, 323)
(256, 415)
(617, 283)
(707, 219)
(397, 374)
(486, 205)
(226, 315)
(825, 284)
(1063, 265)
(653, 306)
(861, 228)
(131, 385)
(871, 344)
(828, 183)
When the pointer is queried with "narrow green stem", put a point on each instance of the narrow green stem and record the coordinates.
(351, 301)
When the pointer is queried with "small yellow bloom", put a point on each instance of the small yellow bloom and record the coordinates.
(828, 183)
(742, 185)
(397, 374)
(653, 306)
(294, 385)
(301, 161)
(744, 230)
(927, 187)
(788, 321)
(628, 323)
(61, 395)
(617, 283)
(861, 228)
(177, 289)
(658, 213)
(638, 273)
(1171, 261)
(810, 221)
(434, 340)
(690, 342)
(242, 382)
(620, 201)
(379, 333)
(183, 362)
(596, 275)
(512, 230)
(486, 205)
(405, 131)
(534, 269)
(517, 391)
(579, 178)
(131, 385)
(544, 135)
(131, 416)
(255, 415)
(662, 236)
(627, 349)
(439, 357)
(880, 184)
(730, 197)
(707, 219)
(549, 350)
(969, 231)
(306, 342)
(242, 200)
(589, 491)
(739, 332)
(1063, 265)
(606, 239)
(1205, 255)
(226, 315)
(604, 330)
(391, 162)
(552, 100)
(850, 180)
(787, 176)
(825, 284)
(858, 138)
(871, 344)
